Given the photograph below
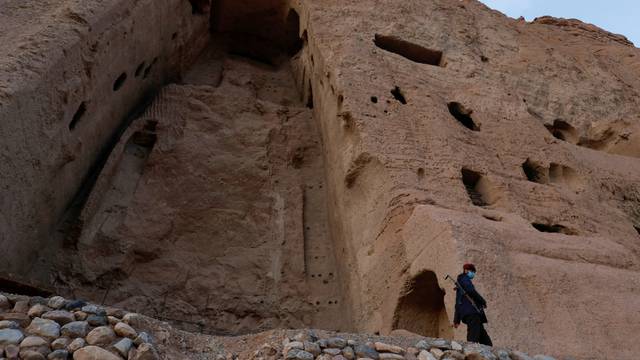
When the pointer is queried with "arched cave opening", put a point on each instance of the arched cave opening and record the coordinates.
(478, 188)
(421, 307)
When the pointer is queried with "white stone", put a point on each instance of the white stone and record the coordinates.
(56, 302)
(425, 355)
(437, 352)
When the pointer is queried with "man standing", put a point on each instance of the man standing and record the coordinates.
(469, 307)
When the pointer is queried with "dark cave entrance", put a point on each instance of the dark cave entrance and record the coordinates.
(421, 307)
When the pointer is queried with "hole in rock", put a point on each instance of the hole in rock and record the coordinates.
(463, 115)
(82, 109)
(374, 99)
(535, 172)
(174, 36)
(408, 50)
(637, 229)
(478, 188)
(421, 307)
(294, 42)
(563, 130)
(484, 58)
(117, 85)
(16, 287)
(421, 172)
(398, 95)
(144, 139)
(310, 97)
(553, 228)
(199, 6)
(151, 125)
(147, 71)
(139, 69)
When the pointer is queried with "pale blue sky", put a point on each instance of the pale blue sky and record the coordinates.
(617, 16)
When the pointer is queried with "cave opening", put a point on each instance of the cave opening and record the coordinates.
(472, 183)
(553, 228)
(293, 41)
(562, 130)
(535, 172)
(463, 115)
(409, 50)
(421, 308)
(199, 7)
(267, 31)
(398, 95)
(117, 85)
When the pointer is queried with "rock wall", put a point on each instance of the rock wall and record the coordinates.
(70, 74)
(463, 135)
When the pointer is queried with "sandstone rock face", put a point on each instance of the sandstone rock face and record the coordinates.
(324, 164)
(255, 232)
(66, 83)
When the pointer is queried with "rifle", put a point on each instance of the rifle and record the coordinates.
(464, 293)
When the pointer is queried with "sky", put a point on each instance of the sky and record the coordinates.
(616, 16)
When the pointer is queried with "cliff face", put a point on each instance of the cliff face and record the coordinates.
(326, 164)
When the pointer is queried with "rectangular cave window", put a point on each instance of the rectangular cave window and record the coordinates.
(535, 172)
(408, 50)
(471, 181)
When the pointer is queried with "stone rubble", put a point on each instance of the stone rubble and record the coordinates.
(34, 328)
(53, 331)
(307, 347)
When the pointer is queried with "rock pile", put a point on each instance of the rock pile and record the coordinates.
(35, 328)
(306, 346)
